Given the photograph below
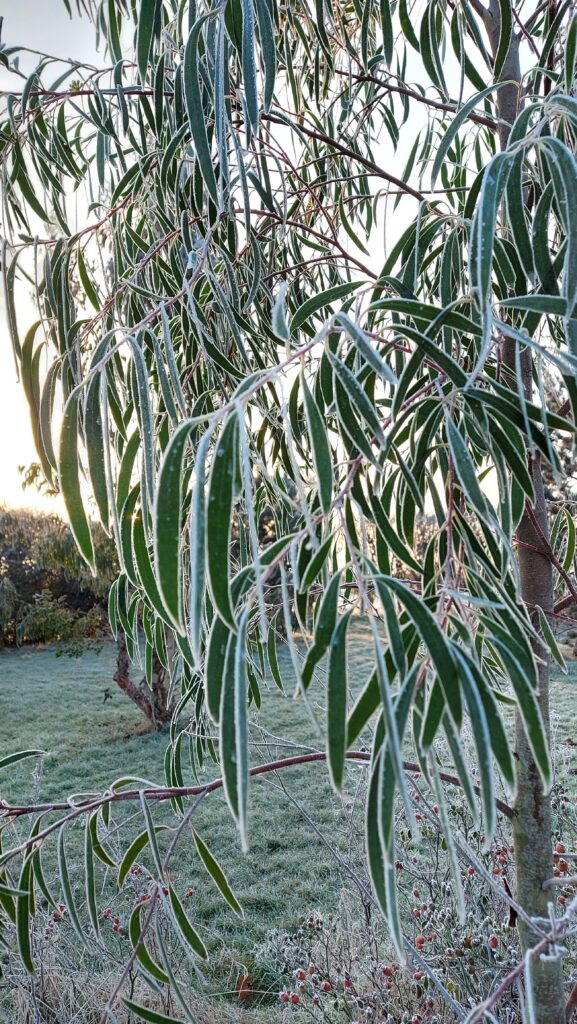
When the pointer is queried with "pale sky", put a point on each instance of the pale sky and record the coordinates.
(40, 25)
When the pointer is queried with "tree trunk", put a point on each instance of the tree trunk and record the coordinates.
(152, 701)
(532, 818)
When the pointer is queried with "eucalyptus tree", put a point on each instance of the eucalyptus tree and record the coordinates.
(310, 265)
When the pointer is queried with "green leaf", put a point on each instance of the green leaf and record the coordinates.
(394, 635)
(152, 831)
(550, 640)
(134, 850)
(147, 1014)
(429, 48)
(483, 237)
(94, 437)
(217, 874)
(241, 726)
(69, 473)
(279, 323)
(272, 656)
(358, 398)
(570, 51)
(168, 526)
(90, 290)
(482, 737)
(97, 846)
(221, 488)
(67, 888)
(505, 34)
(322, 456)
(198, 546)
(529, 710)
(23, 913)
(233, 737)
(20, 755)
(142, 954)
(195, 108)
(548, 305)
(217, 644)
(145, 28)
(316, 563)
(324, 627)
(364, 346)
(366, 704)
(268, 49)
(249, 63)
(451, 132)
(319, 301)
(465, 469)
(435, 641)
(337, 700)
(144, 568)
(190, 936)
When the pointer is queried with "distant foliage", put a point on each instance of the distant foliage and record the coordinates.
(46, 591)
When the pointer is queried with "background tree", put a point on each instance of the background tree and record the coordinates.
(256, 342)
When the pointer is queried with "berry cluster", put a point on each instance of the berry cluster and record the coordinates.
(308, 981)
(55, 918)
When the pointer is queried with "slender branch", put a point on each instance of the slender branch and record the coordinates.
(450, 108)
(162, 793)
(346, 151)
(550, 883)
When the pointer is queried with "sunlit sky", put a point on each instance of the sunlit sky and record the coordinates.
(40, 25)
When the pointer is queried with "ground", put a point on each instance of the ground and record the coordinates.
(56, 704)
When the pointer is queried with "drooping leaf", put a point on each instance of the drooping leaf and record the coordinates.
(216, 873)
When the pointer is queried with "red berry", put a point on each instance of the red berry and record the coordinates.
(301, 975)
(284, 997)
(295, 998)
(326, 986)
(560, 848)
(470, 871)
(493, 941)
(189, 893)
(418, 975)
(346, 983)
(388, 971)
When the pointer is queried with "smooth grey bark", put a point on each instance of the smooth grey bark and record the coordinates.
(532, 809)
